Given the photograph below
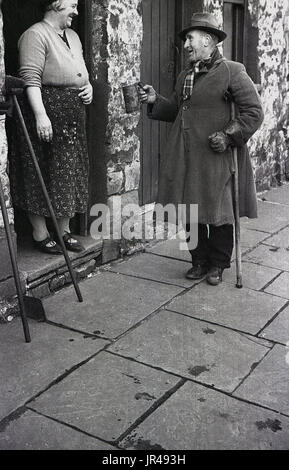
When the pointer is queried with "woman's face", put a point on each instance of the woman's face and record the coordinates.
(67, 11)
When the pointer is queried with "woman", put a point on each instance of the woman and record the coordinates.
(57, 88)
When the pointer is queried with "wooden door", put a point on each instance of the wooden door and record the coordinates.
(234, 25)
(158, 69)
(162, 59)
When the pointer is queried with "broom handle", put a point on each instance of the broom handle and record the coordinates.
(239, 284)
(50, 208)
(14, 266)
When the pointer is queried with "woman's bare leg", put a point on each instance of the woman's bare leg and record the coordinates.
(38, 223)
(63, 224)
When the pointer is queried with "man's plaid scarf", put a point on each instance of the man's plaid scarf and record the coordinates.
(195, 68)
(189, 81)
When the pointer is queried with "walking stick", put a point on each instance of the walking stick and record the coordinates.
(239, 284)
(14, 266)
(45, 193)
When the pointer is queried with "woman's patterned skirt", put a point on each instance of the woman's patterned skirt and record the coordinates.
(63, 162)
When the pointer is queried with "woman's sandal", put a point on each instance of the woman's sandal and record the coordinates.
(72, 244)
(48, 246)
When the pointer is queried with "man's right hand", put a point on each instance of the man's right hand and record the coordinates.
(147, 94)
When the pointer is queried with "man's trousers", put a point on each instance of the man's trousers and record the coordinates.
(215, 245)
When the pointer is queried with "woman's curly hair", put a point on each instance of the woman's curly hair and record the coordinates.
(47, 5)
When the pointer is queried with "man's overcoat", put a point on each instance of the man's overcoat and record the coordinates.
(191, 172)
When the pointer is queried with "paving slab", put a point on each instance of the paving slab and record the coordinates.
(196, 418)
(26, 369)
(156, 268)
(270, 256)
(280, 240)
(112, 304)
(254, 276)
(251, 238)
(279, 195)
(271, 217)
(280, 286)
(242, 309)
(268, 384)
(278, 330)
(193, 349)
(32, 431)
(105, 396)
(170, 249)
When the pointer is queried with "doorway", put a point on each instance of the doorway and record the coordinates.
(19, 15)
(162, 60)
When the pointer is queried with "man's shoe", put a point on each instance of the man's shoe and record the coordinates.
(197, 272)
(214, 276)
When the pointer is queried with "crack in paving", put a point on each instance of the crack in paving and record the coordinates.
(273, 318)
(253, 367)
(271, 282)
(208, 386)
(75, 330)
(5, 421)
(154, 407)
(248, 335)
(70, 426)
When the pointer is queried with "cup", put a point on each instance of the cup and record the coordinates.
(131, 98)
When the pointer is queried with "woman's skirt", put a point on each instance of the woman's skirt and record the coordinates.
(63, 162)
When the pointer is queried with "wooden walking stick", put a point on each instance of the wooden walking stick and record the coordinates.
(239, 284)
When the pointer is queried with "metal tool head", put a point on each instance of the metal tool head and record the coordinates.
(13, 86)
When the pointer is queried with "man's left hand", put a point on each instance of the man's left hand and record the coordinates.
(219, 141)
(86, 94)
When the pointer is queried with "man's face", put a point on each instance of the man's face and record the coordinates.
(67, 11)
(194, 45)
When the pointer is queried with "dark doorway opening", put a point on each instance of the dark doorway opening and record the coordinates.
(18, 16)
(162, 59)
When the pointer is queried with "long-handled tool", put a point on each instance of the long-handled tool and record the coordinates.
(14, 266)
(48, 202)
(239, 284)
(11, 90)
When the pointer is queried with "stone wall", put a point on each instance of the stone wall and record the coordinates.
(116, 59)
(269, 146)
(7, 287)
(124, 29)
(123, 38)
(3, 140)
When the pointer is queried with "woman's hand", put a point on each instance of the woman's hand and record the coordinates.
(44, 128)
(86, 94)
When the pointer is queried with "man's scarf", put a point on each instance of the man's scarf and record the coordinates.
(195, 68)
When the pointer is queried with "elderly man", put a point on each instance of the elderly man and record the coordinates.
(197, 165)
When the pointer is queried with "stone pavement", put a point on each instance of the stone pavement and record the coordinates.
(151, 361)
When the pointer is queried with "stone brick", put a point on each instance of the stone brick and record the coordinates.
(5, 263)
(8, 309)
(8, 289)
(114, 182)
(111, 250)
(85, 269)
(57, 282)
(41, 291)
(132, 176)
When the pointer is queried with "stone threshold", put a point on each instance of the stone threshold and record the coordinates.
(45, 274)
